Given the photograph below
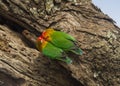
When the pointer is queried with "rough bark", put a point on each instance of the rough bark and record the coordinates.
(21, 64)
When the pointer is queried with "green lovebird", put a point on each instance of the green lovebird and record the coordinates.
(61, 40)
(51, 51)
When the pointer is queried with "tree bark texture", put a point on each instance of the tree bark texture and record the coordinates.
(21, 64)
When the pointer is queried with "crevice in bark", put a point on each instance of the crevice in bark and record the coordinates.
(16, 24)
(97, 35)
(18, 29)
(8, 80)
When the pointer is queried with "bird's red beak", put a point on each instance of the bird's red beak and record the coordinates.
(40, 38)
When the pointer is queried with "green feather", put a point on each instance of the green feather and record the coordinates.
(65, 42)
(65, 35)
(77, 51)
(67, 60)
(62, 40)
(53, 52)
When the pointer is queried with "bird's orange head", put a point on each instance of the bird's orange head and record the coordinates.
(41, 43)
(47, 34)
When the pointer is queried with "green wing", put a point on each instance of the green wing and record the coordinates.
(65, 42)
(55, 53)
(62, 40)
(52, 51)
(65, 35)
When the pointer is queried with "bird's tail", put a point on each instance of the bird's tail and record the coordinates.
(67, 60)
(77, 51)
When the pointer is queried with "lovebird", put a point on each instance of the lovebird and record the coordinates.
(61, 40)
(51, 51)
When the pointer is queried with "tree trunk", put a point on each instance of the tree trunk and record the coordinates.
(21, 64)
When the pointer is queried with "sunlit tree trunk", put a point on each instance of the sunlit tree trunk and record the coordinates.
(21, 64)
